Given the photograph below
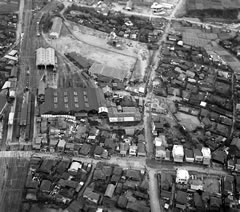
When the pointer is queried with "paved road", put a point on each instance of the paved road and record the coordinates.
(20, 19)
(154, 192)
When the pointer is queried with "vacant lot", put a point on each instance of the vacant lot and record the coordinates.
(188, 121)
(13, 173)
(8, 6)
(91, 50)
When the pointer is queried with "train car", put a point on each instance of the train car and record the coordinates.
(24, 109)
(27, 132)
(17, 131)
(23, 118)
(38, 29)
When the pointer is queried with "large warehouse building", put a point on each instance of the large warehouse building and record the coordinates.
(45, 58)
(72, 101)
(56, 28)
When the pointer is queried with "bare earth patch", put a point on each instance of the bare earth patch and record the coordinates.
(188, 121)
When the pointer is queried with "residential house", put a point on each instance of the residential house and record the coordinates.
(231, 164)
(189, 157)
(45, 186)
(160, 153)
(124, 149)
(110, 190)
(133, 174)
(228, 184)
(198, 155)
(215, 203)
(182, 176)
(61, 145)
(237, 165)
(53, 144)
(133, 150)
(91, 196)
(219, 156)
(181, 199)
(85, 149)
(178, 153)
(141, 150)
(122, 202)
(137, 207)
(237, 179)
(75, 166)
(98, 152)
(206, 152)
(168, 155)
(99, 174)
(198, 203)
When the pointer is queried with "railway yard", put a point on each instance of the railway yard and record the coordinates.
(117, 106)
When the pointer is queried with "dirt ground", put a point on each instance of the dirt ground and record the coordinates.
(182, 10)
(189, 121)
(13, 174)
(146, 10)
(68, 43)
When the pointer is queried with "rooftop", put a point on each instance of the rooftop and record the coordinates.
(71, 100)
(101, 69)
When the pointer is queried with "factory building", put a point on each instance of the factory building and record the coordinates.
(45, 58)
(79, 102)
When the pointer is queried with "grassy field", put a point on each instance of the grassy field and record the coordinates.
(9, 6)
(13, 173)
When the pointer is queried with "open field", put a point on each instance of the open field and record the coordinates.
(98, 38)
(13, 174)
(98, 53)
(8, 6)
(188, 121)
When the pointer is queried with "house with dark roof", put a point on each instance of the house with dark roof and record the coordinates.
(99, 175)
(85, 149)
(122, 202)
(215, 203)
(137, 207)
(181, 199)
(219, 156)
(46, 186)
(117, 171)
(133, 174)
(198, 155)
(76, 205)
(141, 150)
(189, 157)
(98, 152)
(91, 196)
(228, 185)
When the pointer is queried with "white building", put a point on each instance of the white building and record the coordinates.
(45, 58)
(182, 176)
(206, 152)
(178, 153)
(75, 166)
(56, 28)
